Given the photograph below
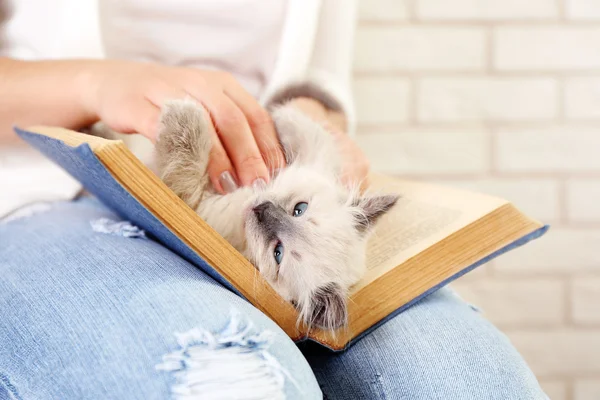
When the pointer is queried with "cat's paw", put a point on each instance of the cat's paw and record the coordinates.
(184, 123)
(183, 133)
(326, 308)
(182, 149)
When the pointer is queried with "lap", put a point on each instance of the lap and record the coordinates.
(441, 348)
(90, 315)
(85, 314)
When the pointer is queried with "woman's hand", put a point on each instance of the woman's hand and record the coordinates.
(127, 96)
(355, 165)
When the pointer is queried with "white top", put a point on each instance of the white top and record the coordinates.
(265, 44)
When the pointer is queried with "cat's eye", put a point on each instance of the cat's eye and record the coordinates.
(278, 253)
(300, 208)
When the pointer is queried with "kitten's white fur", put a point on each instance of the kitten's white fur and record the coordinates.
(323, 249)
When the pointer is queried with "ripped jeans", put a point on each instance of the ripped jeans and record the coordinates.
(94, 310)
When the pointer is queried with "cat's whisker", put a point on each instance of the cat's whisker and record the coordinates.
(350, 300)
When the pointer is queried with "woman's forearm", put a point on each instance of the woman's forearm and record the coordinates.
(42, 92)
(333, 120)
(129, 97)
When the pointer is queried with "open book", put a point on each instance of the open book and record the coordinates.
(432, 236)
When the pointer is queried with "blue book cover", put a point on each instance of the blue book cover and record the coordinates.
(111, 173)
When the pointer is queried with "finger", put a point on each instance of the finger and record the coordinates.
(355, 165)
(261, 125)
(157, 95)
(220, 169)
(355, 177)
(237, 139)
(146, 119)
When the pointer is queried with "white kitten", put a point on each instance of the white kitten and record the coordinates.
(305, 231)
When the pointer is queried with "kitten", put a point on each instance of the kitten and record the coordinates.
(304, 231)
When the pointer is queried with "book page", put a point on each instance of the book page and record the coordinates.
(424, 215)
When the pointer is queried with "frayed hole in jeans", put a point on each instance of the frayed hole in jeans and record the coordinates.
(119, 228)
(7, 389)
(231, 364)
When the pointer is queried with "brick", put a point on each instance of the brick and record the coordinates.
(486, 99)
(559, 352)
(583, 9)
(559, 250)
(555, 389)
(383, 10)
(380, 101)
(546, 48)
(486, 10)
(532, 302)
(419, 49)
(426, 152)
(587, 389)
(568, 149)
(537, 198)
(583, 200)
(586, 300)
(582, 97)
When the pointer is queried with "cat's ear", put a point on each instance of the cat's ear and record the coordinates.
(371, 208)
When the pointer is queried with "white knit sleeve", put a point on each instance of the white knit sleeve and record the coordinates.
(330, 66)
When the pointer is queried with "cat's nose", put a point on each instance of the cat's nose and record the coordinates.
(260, 209)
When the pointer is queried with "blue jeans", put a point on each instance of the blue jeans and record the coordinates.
(90, 314)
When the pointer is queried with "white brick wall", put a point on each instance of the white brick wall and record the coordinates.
(554, 48)
(562, 250)
(587, 389)
(583, 10)
(393, 96)
(486, 99)
(586, 301)
(503, 97)
(535, 197)
(486, 10)
(559, 351)
(562, 148)
(416, 48)
(531, 302)
(417, 152)
(583, 200)
(555, 389)
(582, 97)
(383, 10)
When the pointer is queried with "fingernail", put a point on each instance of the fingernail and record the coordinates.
(276, 171)
(259, 183)
(227, 182)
